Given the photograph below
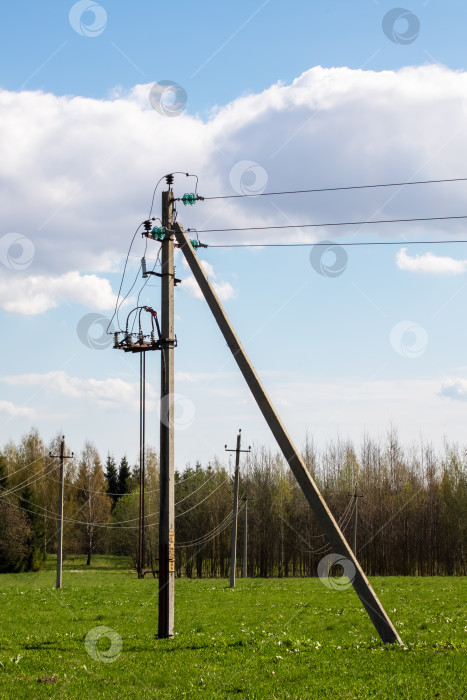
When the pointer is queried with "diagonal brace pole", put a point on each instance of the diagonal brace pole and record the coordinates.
(362, 586)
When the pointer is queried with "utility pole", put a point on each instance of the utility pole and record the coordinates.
(245, 539)
(167, 500)
(142, 443)
(356, 496)
(361, 585)
(60, 512)
(233, 544)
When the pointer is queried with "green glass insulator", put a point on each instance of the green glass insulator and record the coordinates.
(189, 199)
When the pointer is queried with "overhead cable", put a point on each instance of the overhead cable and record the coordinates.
(339, 189)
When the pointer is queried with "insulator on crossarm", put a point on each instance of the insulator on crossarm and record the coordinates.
(116, 340)
(128, 339)
(143, 267)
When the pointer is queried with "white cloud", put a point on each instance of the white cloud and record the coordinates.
(9, 409)
(455, 389)
(35, 295)
(107, 393)
(185, 377)
(224, 290)
(430, 264)
(91, 166)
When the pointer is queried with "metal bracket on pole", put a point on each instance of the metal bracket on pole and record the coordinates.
(362, 586)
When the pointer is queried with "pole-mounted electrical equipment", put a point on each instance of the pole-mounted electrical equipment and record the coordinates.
(169, 234)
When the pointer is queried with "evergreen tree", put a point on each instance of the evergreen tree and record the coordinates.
(111, 475)
(124, 477)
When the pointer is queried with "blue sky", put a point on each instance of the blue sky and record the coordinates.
(279, 96)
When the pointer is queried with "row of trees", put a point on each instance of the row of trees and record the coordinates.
(412, 518)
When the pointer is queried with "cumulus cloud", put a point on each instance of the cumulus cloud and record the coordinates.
(107, 393)
(430, 263)
(86, 168)
(455, 389)
(36, 294)
(9, 409)
(224, 290)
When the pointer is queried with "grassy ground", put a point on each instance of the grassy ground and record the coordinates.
(265, 639)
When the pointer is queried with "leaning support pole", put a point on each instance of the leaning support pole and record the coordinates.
(324, 516)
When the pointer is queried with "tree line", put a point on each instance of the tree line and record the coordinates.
(411, 511)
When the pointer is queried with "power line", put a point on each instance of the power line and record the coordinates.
(190, 476)
(204, 499)
(339, 189)
(54, 516)
(8, 476)
(197, 489)
(117, 306)
(27, 482)
(327, 243)
(212, 534)
(332, 223)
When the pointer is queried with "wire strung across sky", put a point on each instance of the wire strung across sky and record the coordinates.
(295, 226)
(339, 189)
(327, 243)
(332, 223)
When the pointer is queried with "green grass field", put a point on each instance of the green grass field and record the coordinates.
(277, 638)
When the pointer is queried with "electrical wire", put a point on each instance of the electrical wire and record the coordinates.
(8, 476)
(213, 534)
(154, 195)
(105, 493)
(197, 489)
(338, 223)
(54, 516)
(176, 172)
(117, 307)
(26, 483)
(327, 243)
(322, 549)
(338, 189)
(208, 536)
(146, 281)
(204, 499)
(181, 481)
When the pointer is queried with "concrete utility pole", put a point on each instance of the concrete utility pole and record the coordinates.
(362, 586)
(167, 483)
(62, 457)
(356, 497)
(233, 544)
(245, 539)
(142, 443)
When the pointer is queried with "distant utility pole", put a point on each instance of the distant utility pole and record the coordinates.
(60, 512)
(245, 539)
(233, 546)
(167, 490)
(356, 496)
(362, 586)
